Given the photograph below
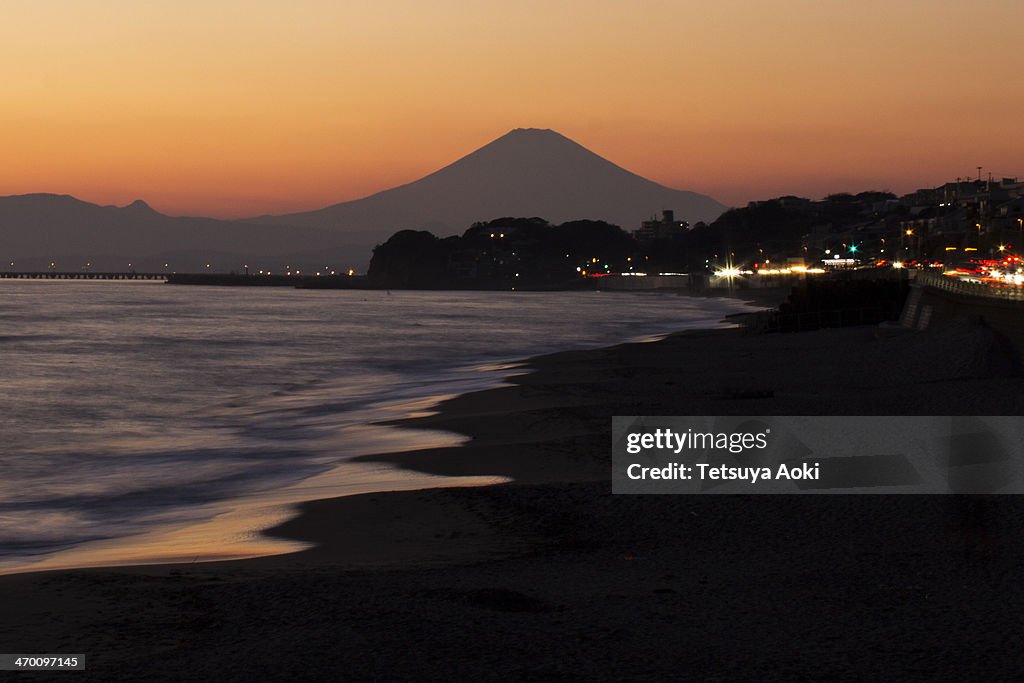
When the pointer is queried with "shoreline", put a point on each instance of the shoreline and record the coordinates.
(396, 577)
(235, 529)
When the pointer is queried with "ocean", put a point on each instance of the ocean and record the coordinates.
(143, 422)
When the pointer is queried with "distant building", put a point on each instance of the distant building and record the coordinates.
(664, 229)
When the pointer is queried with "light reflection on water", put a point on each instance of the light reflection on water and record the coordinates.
(130, 408)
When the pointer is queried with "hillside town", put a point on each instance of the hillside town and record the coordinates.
(965, 226)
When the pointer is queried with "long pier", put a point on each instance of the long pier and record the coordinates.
(214, 279)
(79, 275)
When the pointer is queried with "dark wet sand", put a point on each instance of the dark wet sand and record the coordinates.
(552, 577)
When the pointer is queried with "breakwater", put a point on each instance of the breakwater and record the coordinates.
(79, 275)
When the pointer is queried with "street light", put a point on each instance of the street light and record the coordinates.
(908, 243)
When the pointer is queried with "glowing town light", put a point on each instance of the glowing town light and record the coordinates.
(728, 273)
(897, 264)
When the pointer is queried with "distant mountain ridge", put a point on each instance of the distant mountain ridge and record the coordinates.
(527, 172)
(37, 229)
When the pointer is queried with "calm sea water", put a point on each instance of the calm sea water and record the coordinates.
(131, 407)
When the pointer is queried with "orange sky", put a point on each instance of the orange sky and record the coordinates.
(235, 108)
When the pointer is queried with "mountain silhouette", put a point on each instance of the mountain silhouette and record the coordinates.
(39, 229)
(526, 172)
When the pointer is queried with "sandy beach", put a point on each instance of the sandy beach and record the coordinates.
(553, 577)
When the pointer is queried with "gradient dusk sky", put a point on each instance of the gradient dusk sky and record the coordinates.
(234, 108)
